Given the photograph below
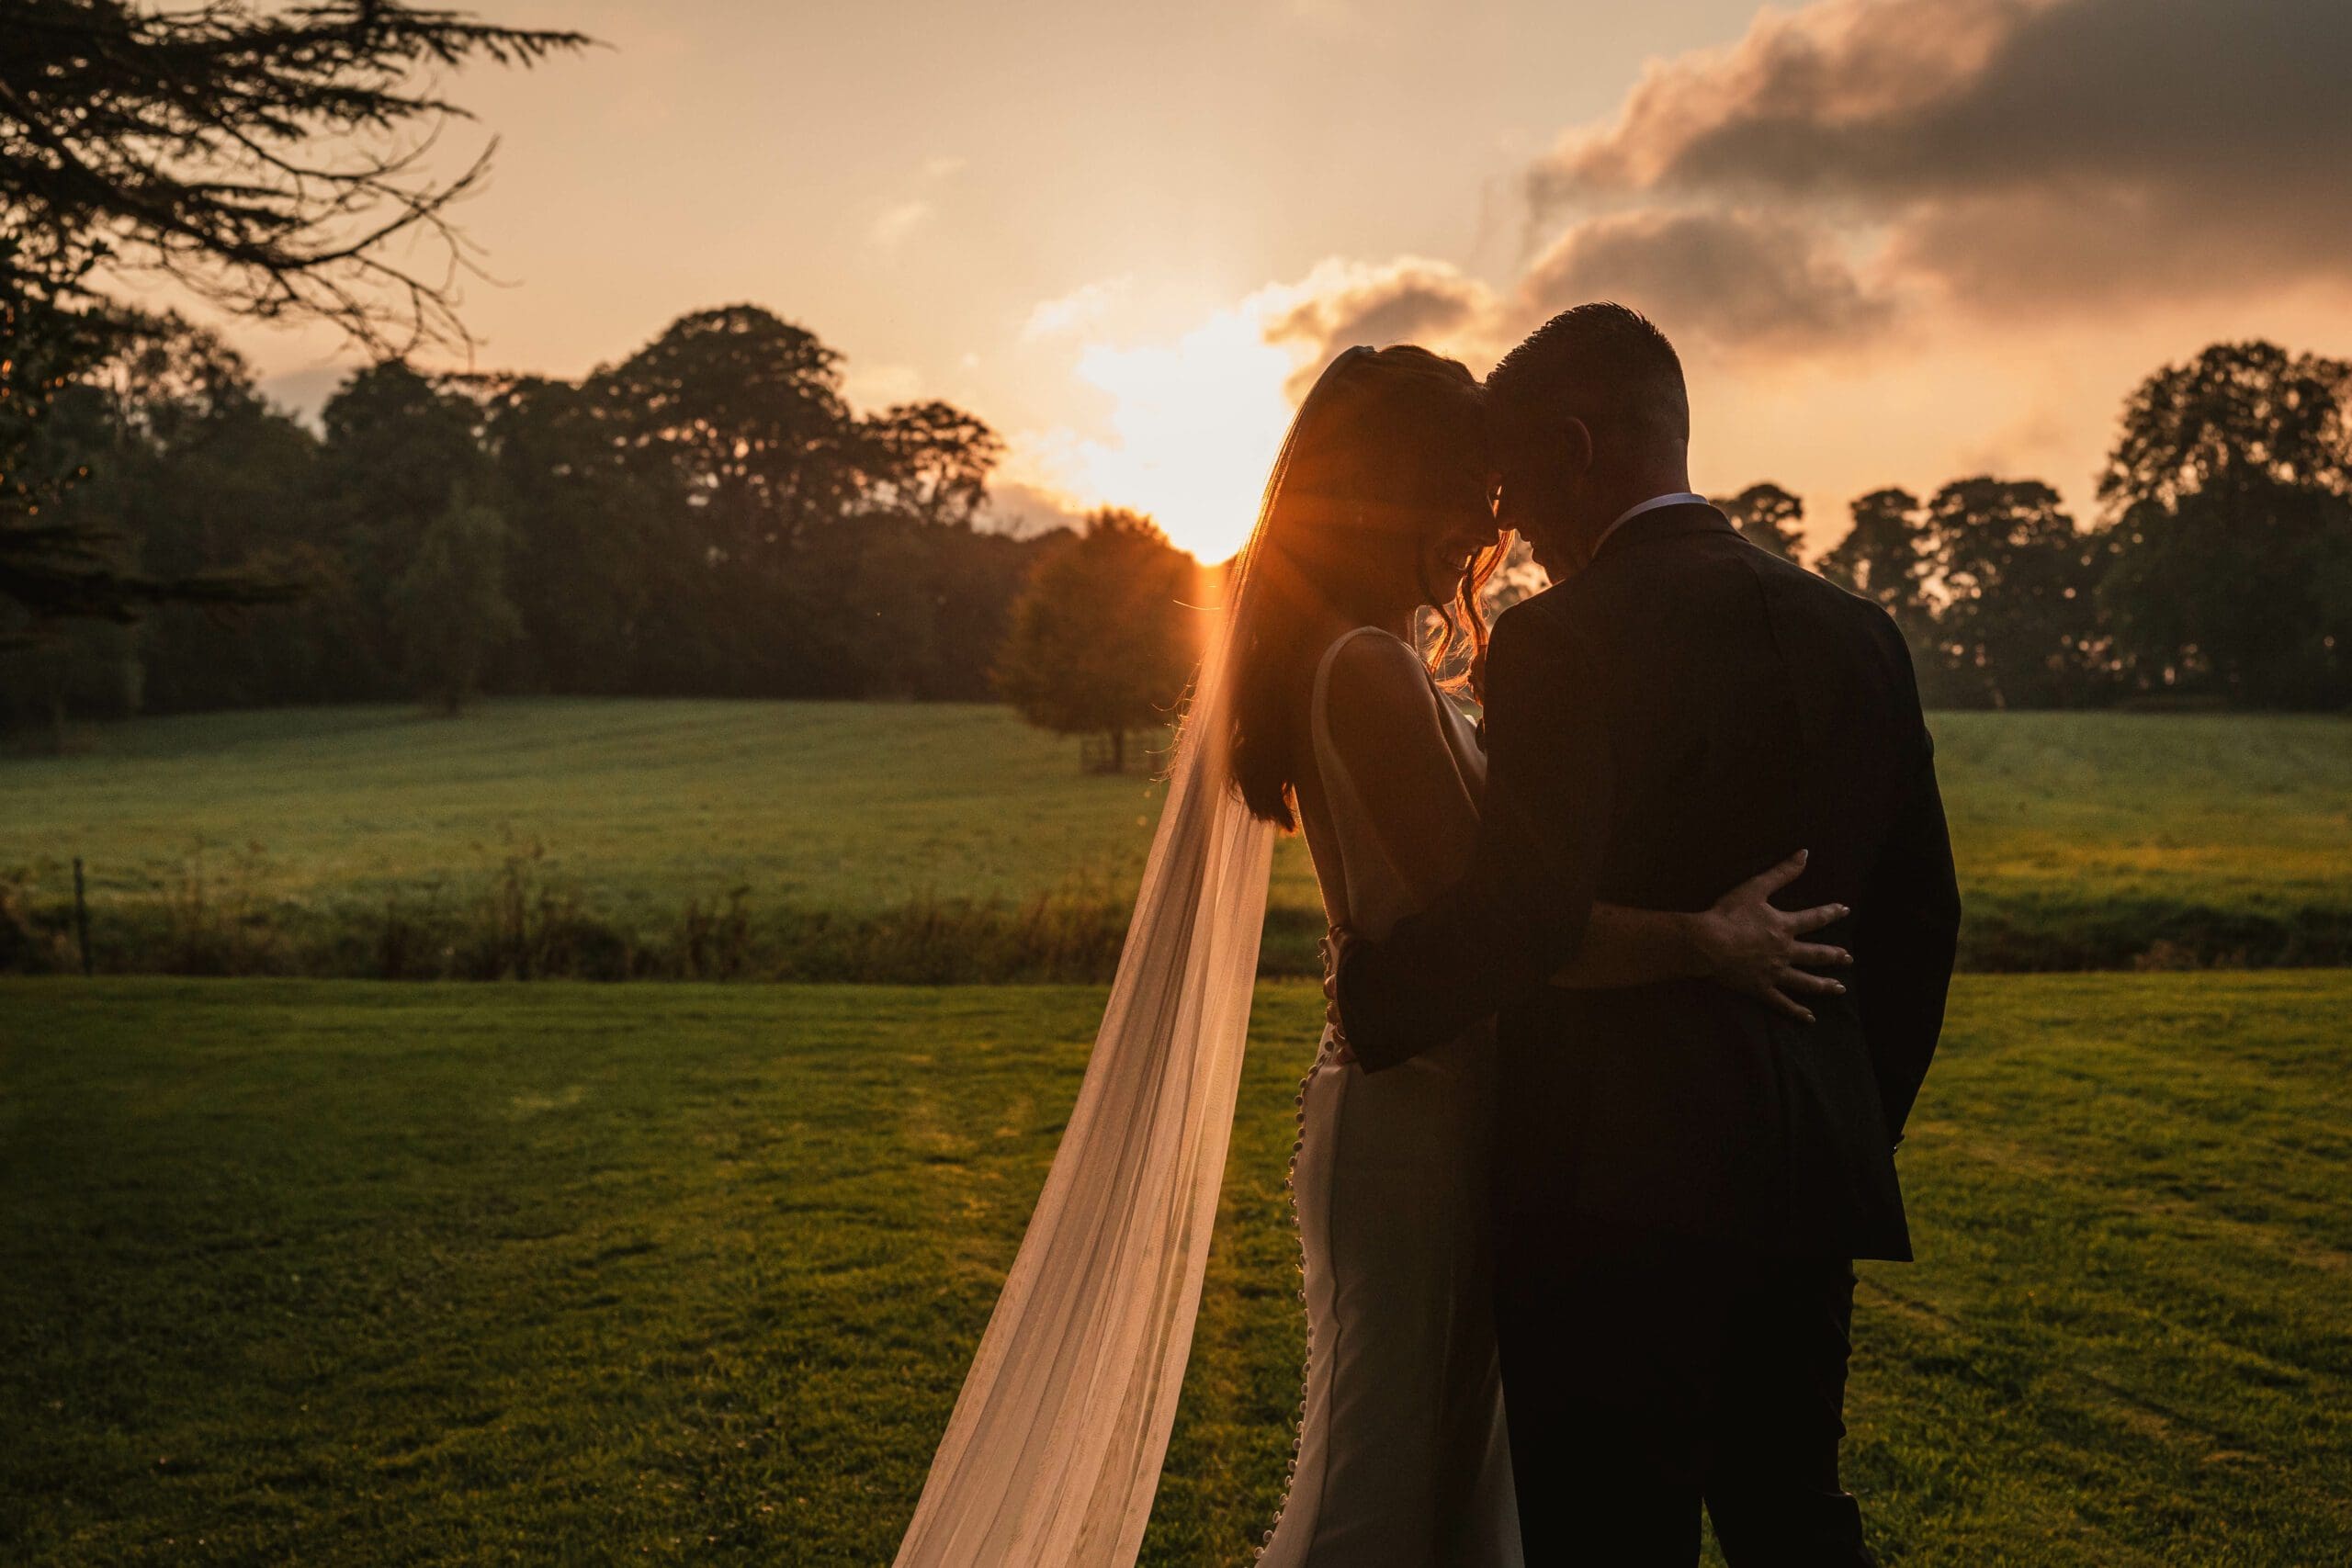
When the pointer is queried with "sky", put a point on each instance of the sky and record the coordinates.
(1898, 242)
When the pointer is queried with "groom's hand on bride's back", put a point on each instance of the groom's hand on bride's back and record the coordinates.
(1749, 946)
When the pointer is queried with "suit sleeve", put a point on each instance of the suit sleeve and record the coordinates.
(1520, 910)
(1909, 932)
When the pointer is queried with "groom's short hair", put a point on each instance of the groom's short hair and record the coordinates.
(1605, 364)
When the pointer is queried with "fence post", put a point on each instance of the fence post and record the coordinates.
(80, 916)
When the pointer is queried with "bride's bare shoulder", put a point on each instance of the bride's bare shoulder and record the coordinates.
(1376, 688)
(1381, 713)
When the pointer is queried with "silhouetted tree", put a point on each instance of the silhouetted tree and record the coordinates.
(202, 477)
(265, 157)
(189, 491)
(449, 607)
(616, 562)
(1881, 556)
(893, 582)
(746, 409)
(2015, 625)
(398, 451)
(62, 558)
(978, 578)
(934, 461)
(273, 160)
(2239, 419)
(2231, 483)
(600, 568)
(785, 497)
(739, 413)
(1101, 642)
(42, 351)
(1768, 516)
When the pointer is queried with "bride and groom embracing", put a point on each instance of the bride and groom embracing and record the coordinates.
(1591, 1144)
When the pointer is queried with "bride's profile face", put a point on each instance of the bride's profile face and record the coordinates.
(1455, 539)
(1458, 525)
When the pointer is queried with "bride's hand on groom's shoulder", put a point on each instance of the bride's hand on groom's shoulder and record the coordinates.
(1747, 945)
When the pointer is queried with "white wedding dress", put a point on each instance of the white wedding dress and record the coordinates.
(1403, 1460)
(1053, 1451)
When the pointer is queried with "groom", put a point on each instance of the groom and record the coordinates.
(1684, 1175)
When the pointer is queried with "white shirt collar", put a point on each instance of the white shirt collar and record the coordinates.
(1678, 498)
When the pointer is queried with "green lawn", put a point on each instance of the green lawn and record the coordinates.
(359, 1273)
(836, 806)
(2084, 838)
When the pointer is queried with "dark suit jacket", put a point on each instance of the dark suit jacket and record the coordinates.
(1674, 718)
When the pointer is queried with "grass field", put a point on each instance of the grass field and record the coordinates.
(363, 1274)
(2084, 838)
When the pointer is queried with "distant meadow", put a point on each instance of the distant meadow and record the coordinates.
(609, 838)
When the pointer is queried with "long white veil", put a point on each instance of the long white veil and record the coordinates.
(1053, 1454)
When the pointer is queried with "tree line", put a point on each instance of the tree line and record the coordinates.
(709, 516)
(2220, 576)
(706, 516)
(2221, 573)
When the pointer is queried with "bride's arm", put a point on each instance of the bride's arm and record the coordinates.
(1386, 728)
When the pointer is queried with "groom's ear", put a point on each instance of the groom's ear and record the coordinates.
(1576, 450)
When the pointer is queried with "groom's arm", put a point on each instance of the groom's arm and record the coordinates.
(1520, 911)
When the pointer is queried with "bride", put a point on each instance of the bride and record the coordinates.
(1315, 710)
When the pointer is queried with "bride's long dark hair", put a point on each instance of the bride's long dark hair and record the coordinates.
(1054, 1450)
(1387, 442)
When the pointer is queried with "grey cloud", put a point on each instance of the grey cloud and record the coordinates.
(1737, 280)
(1406, 302)
(2045, 153)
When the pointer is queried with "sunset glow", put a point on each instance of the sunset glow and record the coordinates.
(1123, 243)
(1194, 428)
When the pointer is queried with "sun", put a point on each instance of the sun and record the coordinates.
(1195, 428)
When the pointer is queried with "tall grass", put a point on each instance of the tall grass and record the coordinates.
(219, 915)
(526, 922)
(755, 840)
